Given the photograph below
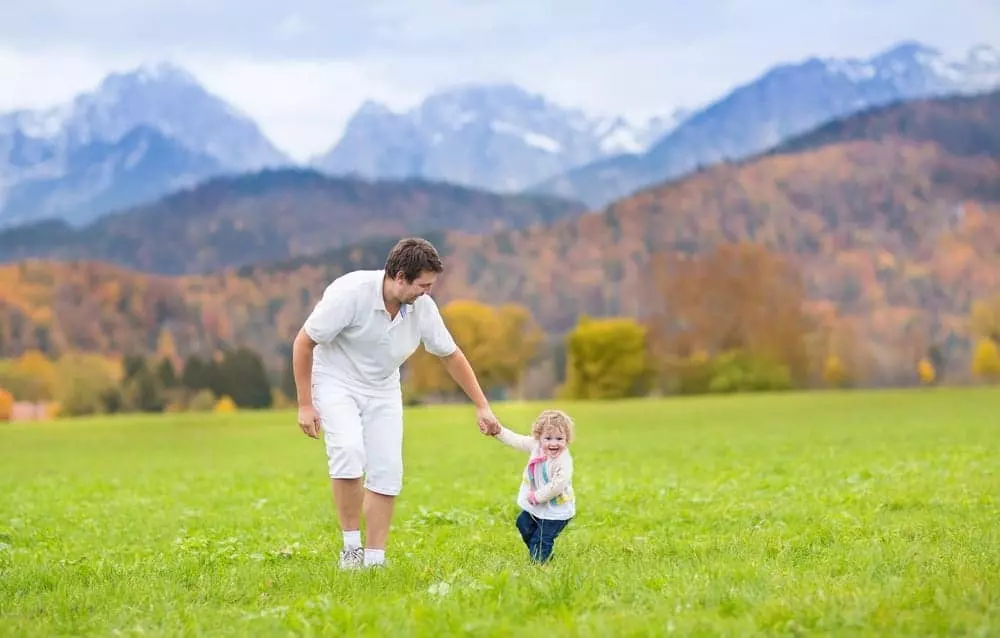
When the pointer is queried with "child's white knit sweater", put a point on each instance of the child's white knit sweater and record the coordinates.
(550, 478)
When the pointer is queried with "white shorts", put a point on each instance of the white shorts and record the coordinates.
(363, 436)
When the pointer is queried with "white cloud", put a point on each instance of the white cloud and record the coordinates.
(302, 105)
(33, 79)
(293, 26)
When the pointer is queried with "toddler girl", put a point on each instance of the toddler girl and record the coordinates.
(546, 494)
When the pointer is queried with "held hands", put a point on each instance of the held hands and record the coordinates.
(488, 423)
(309, 421)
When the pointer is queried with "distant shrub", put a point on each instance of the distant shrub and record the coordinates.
(607, 359)
(738, 371)
(225, 405)
(926, 372)
(692, 375)
(177, 399)
(202, 401)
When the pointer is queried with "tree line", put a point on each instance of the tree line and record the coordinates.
(734, 319)
(79, 384)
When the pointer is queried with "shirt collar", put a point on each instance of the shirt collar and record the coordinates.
(380, 300)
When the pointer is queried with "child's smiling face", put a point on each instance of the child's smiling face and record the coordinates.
(553, 441)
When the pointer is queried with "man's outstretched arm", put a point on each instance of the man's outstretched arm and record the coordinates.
(439, 342)
(461, 371)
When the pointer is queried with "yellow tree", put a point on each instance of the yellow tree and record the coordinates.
(834, 372)
(478, 332)
(475, 329)
(606, 359)
(499, 344)
(85, 380)
(986, 360)
(424, 374)
(926, 371)
(36, 376)
(986, 318)
(519, 340)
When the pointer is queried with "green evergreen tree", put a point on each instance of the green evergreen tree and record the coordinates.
(242, 376)
(142, 389)
(196, 373)
(165, 371)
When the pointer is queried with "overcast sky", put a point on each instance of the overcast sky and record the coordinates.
(301, 67)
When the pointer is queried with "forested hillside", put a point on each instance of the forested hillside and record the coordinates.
(896, 223)
(279, 214)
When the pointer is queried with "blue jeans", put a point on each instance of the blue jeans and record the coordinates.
(539, 535)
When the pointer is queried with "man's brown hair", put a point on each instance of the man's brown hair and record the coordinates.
(412, 256)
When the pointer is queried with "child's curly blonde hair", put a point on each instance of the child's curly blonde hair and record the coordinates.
(553, 420)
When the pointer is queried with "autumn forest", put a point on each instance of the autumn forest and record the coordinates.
(865, 253)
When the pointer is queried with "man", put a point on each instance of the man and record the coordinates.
(346, 361)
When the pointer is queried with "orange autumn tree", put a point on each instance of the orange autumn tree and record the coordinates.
(6, 405)
(738, 298)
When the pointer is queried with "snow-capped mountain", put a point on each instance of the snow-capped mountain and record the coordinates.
(101, 177)
(155, 116)
(788, 100)
(498, 137)
(142, 134)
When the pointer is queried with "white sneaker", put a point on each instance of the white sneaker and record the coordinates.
(353, 558)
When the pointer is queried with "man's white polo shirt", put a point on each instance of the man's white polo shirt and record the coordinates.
(359, 345)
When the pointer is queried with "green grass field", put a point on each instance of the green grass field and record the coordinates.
(869, 513)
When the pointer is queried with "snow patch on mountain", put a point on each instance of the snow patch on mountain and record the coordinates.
(499, 137)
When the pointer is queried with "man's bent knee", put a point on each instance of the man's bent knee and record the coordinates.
(387, 481)
(346, 462)
(390, 491)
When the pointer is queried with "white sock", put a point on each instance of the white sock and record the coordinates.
(374, 556)
(352, 539)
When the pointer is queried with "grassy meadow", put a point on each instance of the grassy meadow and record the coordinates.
(868, 513)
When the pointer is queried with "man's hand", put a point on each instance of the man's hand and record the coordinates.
(488, 423)
(490, 429)
(309, 421)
